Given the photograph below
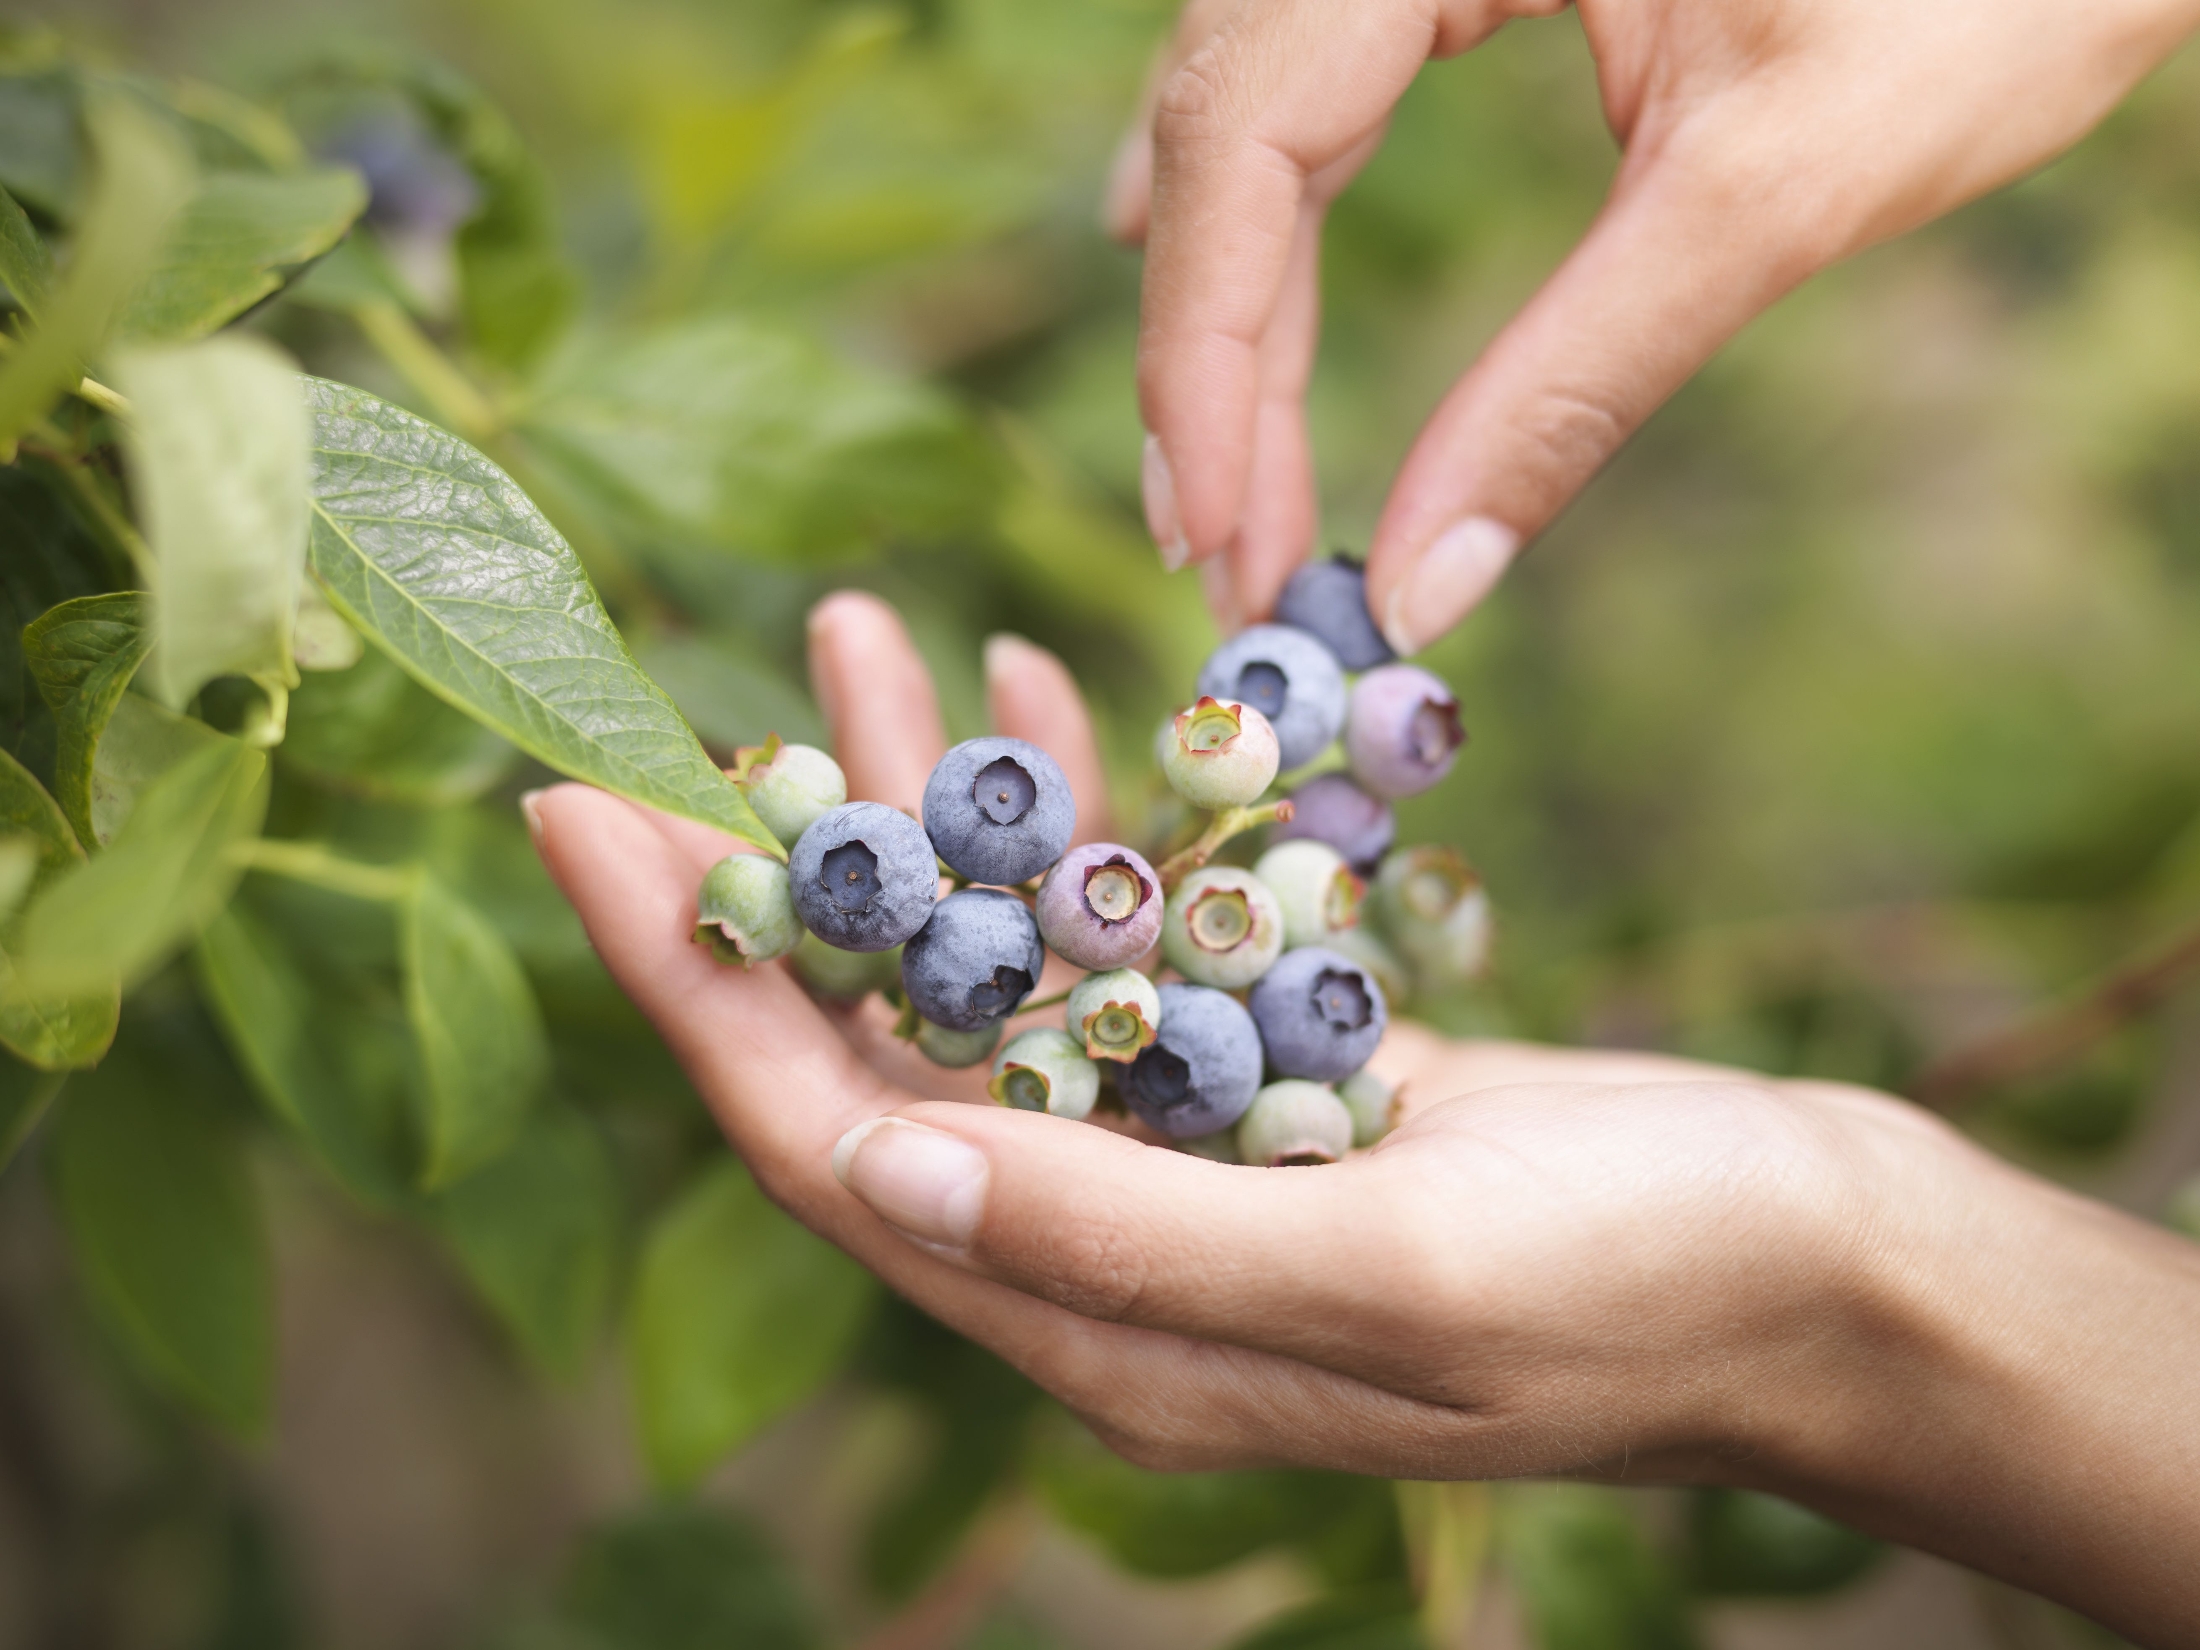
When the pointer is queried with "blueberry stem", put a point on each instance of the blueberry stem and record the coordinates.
(1030, 1003)
(1225, 824)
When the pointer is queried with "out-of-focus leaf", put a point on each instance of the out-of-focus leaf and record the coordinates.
(217, 444)
(1586, 1576)
(38, 139)
(473, 1014)
(322, 639)
(167, 872)
(431, 550)
(302, 1049)
(141, 742)
(52, 1033)
(759, 440)
(728, 697)
(684, 1578)
(82, 655)
(142, 173)
(1177, 1523)
(1376, 1618)
(1746, 1545)
(739, 1314)
(537, 1231)
(51, 559)
(242, 235)
(2088, 1107)
(25, 264)
(26, 1094)
(373, 731)
(157, 1195)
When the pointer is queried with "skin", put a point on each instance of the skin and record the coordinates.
(1761, 141)
(1579, 1263)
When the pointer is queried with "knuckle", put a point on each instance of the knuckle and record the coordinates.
(1195, 104)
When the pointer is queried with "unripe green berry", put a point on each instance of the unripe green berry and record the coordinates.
(1294, 1122)
(1220, 755)
(1316, 889)
(1222, 928)
(845, 976)
(1430, 906)
(789, 786)
(1045, 1069)
(955, 1049)
(1115, 1014)
(1216, 1148)
(745, 910)
(2183, 1211)
(1373, 1103)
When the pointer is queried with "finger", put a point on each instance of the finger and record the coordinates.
(877, 697)
(1032, 696)
(1129, 194)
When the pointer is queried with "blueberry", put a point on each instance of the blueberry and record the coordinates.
(1320, 1014)
(1045, 1069)
(1100, 907)
(1294, 1122)
(1290, 678)
(998, 810)
(1328, 600)
(844, 976)
(1372, 952)
(1373, 1103)
(1220, 754)
(1115, 1013)
(745, 910)
(1431, 908)
(974, 961)
(789, 786)
(1317, 891)
(1402, 731)
(1331, 808)
(1223, 928)
(955, 1049)
(864, 877)
(1203, 1068)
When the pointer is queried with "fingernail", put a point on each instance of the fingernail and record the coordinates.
(922, 1181)
(1159, 485)
(1454, 572)
(1220, 588)
(530, 804)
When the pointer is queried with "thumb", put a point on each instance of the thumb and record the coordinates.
(1694, 243)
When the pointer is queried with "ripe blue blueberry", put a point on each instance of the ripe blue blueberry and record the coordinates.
(1293, 1122)
(864, 877)
(1331, 808)
(998, 810)
(1402, 732)
(1203, 1068)
(1320, 1014)
(1290, 678)
(976, 959)
(1328, 599)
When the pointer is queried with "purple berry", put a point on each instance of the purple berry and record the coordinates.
(1203, 1068)
(864, 877)
(998, 810)
(1100, 908)
(1320, 1015)
(974, 961)
(1328, 599)
(1330, 808)
(1289, 677)
(1401, 731)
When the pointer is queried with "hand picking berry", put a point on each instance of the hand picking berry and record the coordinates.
(974, 961)
(1045, 1069)
(1223, 928)
(1290, 678)
(1100, 907)
(1203, 1068)
(1221, 754)
(1316, 890)
(745, 910)
(1320, 1015)
(998, 810)
(789, 786)
(1116, 1013)
(864, 877)
(1294, 1122)
(1331, 808)
(1402, 731)
(1328, 600)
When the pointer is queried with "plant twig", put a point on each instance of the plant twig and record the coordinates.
(454, 397)
(1031, 1004)
(2048, 1040)
(1226, 823)
(942, 1616)
(1448, 1528)
(99, 395)
(312, 863)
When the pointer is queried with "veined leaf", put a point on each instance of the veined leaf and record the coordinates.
(54, 1033)
(473, 1014)
(160, 1208)
(82, 655)
(433, 551)
(217, 439)
(242, 235)
(739, 1314)
(167, 872)
(25, 264)
(537, 1231)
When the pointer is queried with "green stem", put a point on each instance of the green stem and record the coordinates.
(313, 864)
(1055, 1001)
(1225, 824)
(1448, 1529)
(99, 395)
(455, 399)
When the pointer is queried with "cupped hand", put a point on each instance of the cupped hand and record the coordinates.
(1562, 1262)
(1762, 139)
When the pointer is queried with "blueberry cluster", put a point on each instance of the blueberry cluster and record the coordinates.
(1257, 1050)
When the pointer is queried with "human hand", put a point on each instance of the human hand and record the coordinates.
(1601, 1264)
(1762, 139)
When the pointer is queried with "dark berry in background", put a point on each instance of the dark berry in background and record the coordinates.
(1331, 808)
(1328, 599)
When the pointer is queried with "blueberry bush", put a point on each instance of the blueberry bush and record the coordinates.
(366, 463)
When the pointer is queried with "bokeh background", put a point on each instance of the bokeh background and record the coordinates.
(1852, 716)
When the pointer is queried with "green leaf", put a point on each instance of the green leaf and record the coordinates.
(26, 1095)
(242, 235)
(758, 440)
(1746, 1545)
(473, 1014)
(82, 655)
(156, 1192)
(537, 1231)
(39, 162)
(1374, 1618)
(433, 551)
(684, 1578)
(168, 871)
(54, 1033)
(372, 731)
(739, 1314)
(217, 440)
(1586, 1575)
(309, 1056)
(142, 173)
(728, 695)
(25, 264)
